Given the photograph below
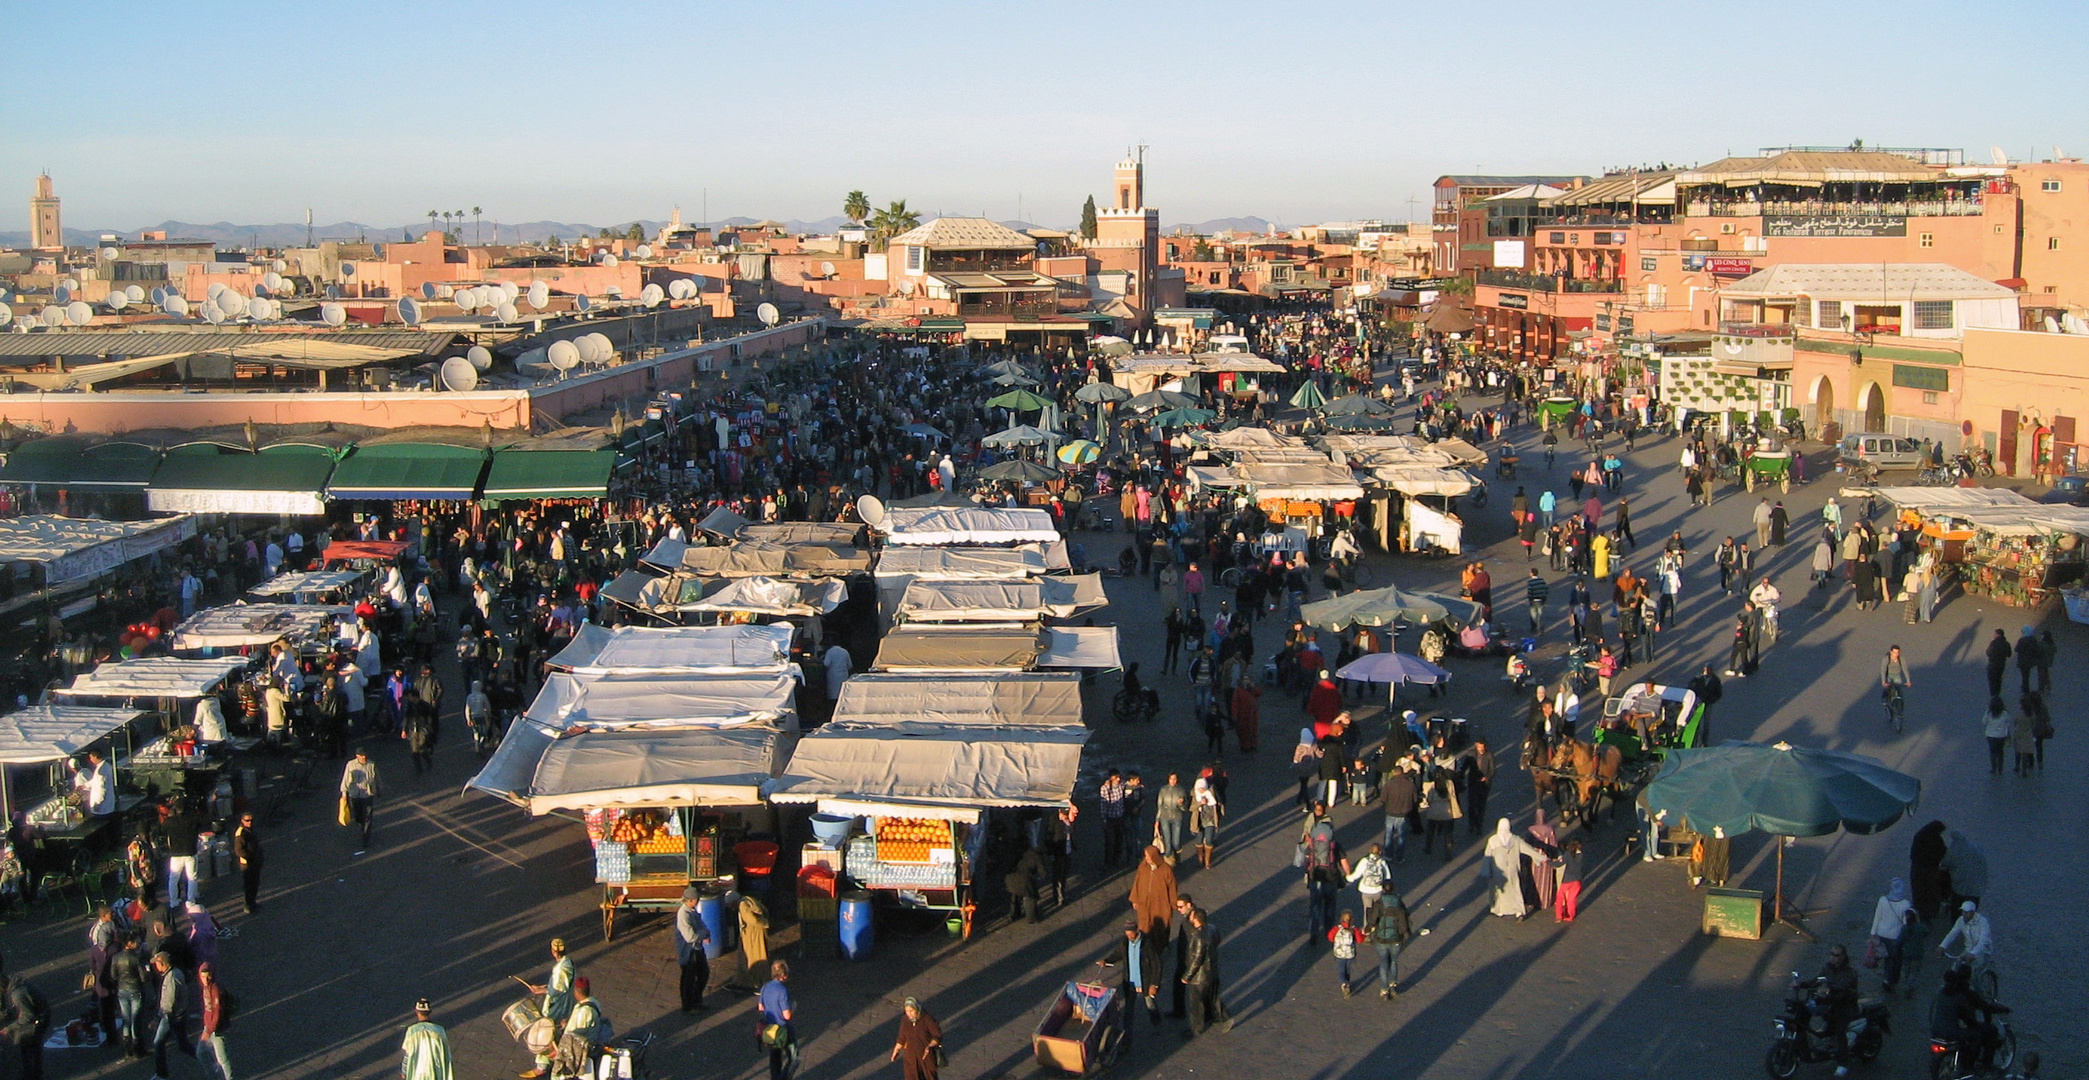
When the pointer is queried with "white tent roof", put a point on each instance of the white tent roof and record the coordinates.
(543, 770)
(1310, 482)
(569, 700)
(967, 525)
(629, 650)
(1022, 435)
(156, 677)
(1424, 479)
(1001, 601)
(75, 548)
(43, 733)
(770, 596)
(1251, 438)
(667, 554)
(959, 563)
(297, 582)
(972, 767)
(966, 700)
(255, 624)
(1080, 647)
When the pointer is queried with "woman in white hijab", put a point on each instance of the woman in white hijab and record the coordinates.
(1502, 868)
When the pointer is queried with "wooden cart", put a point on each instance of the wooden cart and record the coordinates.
(1082, 1030)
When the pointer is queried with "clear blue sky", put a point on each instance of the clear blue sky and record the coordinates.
(604, 112)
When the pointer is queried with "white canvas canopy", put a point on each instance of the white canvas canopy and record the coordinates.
(967, 525)
(956, 648)
(45, 733)
(769, 596)
(156, 677)
(764, 559)
(240, 625)
(543, 770)
(803, 532)
(1313, 483)
(305, 583)
(958, 563)
(973, 701)
(1080, 647)
(667, 554)
(72, 549)
(569, 700)
(1251, 438)
(1424, 479)
(1001, 601)
(632, 650)
(985, 767)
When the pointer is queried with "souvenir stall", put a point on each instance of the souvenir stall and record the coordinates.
(905, 776)
(665, 772)
(311, 629)
(311, 587)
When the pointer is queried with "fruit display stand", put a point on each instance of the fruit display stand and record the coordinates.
(921, 862)
(644, 858)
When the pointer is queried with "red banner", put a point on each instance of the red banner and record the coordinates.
(1718, 267)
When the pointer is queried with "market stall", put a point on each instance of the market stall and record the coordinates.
(36, 746)
(47, 557)
(311, 586)
(921, 760)
(309, 628)
(691, 650)
(1027, 601)
(904, 525)
(923, 647)
(1997, 543)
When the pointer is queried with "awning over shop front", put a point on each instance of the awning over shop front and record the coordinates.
(242, 625)
(409, 471)
(43, 733)
(569, 700)
(549, 474)
(214, 481)
(544, 769)
(948, 648)
(78, 464)
(631, 650)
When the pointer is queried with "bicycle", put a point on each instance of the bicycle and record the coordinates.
(1135, 705)
(1896, 707)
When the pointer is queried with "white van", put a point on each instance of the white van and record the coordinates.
(1881, 450)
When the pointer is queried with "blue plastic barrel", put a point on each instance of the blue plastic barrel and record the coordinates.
(856, 932)
(710, 907)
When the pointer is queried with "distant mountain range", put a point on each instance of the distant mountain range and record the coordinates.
(228, 235)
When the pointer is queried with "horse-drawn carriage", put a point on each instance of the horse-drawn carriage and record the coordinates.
(1634, 735)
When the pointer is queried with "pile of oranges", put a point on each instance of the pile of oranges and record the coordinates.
(909, 840)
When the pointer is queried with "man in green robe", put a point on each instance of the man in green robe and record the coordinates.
(557, 989)
(425, 1055)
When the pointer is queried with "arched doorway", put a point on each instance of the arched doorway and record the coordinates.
(1823, 402)
(1872, 404)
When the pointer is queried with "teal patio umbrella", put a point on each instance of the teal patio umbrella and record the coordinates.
(1780, 789)
(1182, 417)
(1382, 607)
(1019, 469)
(1160, 399)
(1018, 400)
(1308, 395)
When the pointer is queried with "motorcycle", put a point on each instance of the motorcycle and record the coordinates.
(486, 733)
(1951, 1059)
(1802, 1030)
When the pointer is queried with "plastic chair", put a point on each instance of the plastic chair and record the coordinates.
(50, 888)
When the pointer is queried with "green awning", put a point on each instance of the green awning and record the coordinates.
(549, 474)
(408, 471)
(107, 467)
(237, 482)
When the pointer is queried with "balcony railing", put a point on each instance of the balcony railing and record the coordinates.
(1926, 208)
(1765, 331)
(1548, 283)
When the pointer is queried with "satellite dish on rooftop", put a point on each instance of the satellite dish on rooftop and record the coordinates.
(257, 308)
(279, 265)
(159, 295)
(409, 311)
(457, 373)
(480, 356)
(215, 290)
(768, 314)
(509, 291)
(466, 299)
(827, 269)
(610, 260)
(597, 348)
(212, 314)
(79, 313)
(133, 294)
(7, 314)
(563, 355)
(70, 284)
(427, 290)
(539, 295)
(333, 314)
(679, 289)
(54, 315)
(581, 302)
(506, 312)
(61, 295)
(652, 295)
(262, 290)
(117, 301)
(872, 510)
(347, 269)
(175, 304)
(645, 251)
(273, 280)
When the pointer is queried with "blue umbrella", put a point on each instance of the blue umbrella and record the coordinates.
(1392, 667)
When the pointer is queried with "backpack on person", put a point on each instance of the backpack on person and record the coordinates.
(1319, 847)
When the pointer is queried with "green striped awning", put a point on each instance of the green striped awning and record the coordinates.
(69, 463)
(408, 471)
(549, 474)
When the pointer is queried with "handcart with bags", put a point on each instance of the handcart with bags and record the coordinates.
(1083, 1029)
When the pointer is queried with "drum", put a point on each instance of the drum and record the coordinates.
(519, 1016)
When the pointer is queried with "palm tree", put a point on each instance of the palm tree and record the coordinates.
(475, 212)
(446, 225)
(892, 221)
(856, 207)
(432, 215)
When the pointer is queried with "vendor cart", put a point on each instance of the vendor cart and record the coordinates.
(921, 862)
(1082, 1030)
(1556, 410)
(1761, 468)
(644, 858)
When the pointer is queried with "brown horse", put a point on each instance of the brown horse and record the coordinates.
(1590, 772)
